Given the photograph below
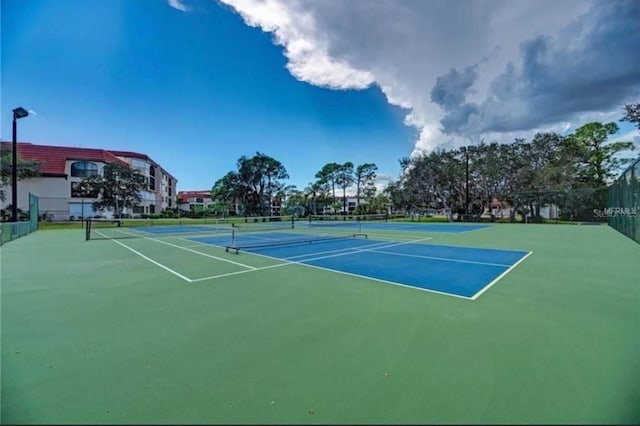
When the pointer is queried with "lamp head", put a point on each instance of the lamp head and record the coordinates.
(20, 113)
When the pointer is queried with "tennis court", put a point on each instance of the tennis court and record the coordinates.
(456, 271)
(291, 323)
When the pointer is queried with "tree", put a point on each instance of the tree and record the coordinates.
(254, 184)
(571, 172)
(327, 177)
(275, 173)
(294, 200)
(544, 172)
(378, 204)
(365, 179)
(344, 179)
(434, 180)
(597, 159)
(227, 190)
(313, 192)
(632, 114)
(596, 163)
(396, 196)
(220, 208)
(25, 169)
(261, 175)
(118, 187)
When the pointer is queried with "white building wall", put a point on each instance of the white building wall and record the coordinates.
(55, 193)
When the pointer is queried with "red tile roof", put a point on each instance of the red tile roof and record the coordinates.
(53, 158)
(183, 196)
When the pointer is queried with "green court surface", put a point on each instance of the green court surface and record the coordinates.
(93, 332)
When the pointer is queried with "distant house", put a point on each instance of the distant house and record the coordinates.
(502, 209)
(199, 200)
(352, 203)
(194, 200)
(62, 168)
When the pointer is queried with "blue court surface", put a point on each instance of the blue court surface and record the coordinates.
(452, 228)
(390, 226)
(456, 271)
(176, 229)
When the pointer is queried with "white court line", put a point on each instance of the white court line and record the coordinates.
(478, 294)
(190, 250)
(200, 253)
(241, 272)
(147, 258)
(289, 262)
(292, 262)
(199, 245)
(357, 250)
(415, 226)
(203, 235)
(334, 251)
(474, 297)
(428, 290)
(446, 259)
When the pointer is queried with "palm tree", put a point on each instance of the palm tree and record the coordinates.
(327, 177)
(344, 179)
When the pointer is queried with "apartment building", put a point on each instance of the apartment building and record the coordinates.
(62, 168)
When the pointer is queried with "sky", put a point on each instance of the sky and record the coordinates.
(196, 84)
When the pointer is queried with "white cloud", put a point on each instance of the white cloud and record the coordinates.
(403, 46)
(304, 46)
(178, 4)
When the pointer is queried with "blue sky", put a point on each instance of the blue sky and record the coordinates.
(195, 84)
(194, 92)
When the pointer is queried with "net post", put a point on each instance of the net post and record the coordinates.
(87, 229)
(292, 222)
(233, 235)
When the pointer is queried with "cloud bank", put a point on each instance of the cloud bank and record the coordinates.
(465, 70)
(590, 65)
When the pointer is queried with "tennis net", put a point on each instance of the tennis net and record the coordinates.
(96, 229)
(355, 222)
(319, 220)
(254, 237)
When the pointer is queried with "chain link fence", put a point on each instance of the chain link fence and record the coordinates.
(623, 208)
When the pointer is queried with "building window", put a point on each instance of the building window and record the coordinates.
(139, 164)
(84, 169)
(152, 178)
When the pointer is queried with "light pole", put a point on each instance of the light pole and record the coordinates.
(466, 187)
(115, 195)
(18, 113)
